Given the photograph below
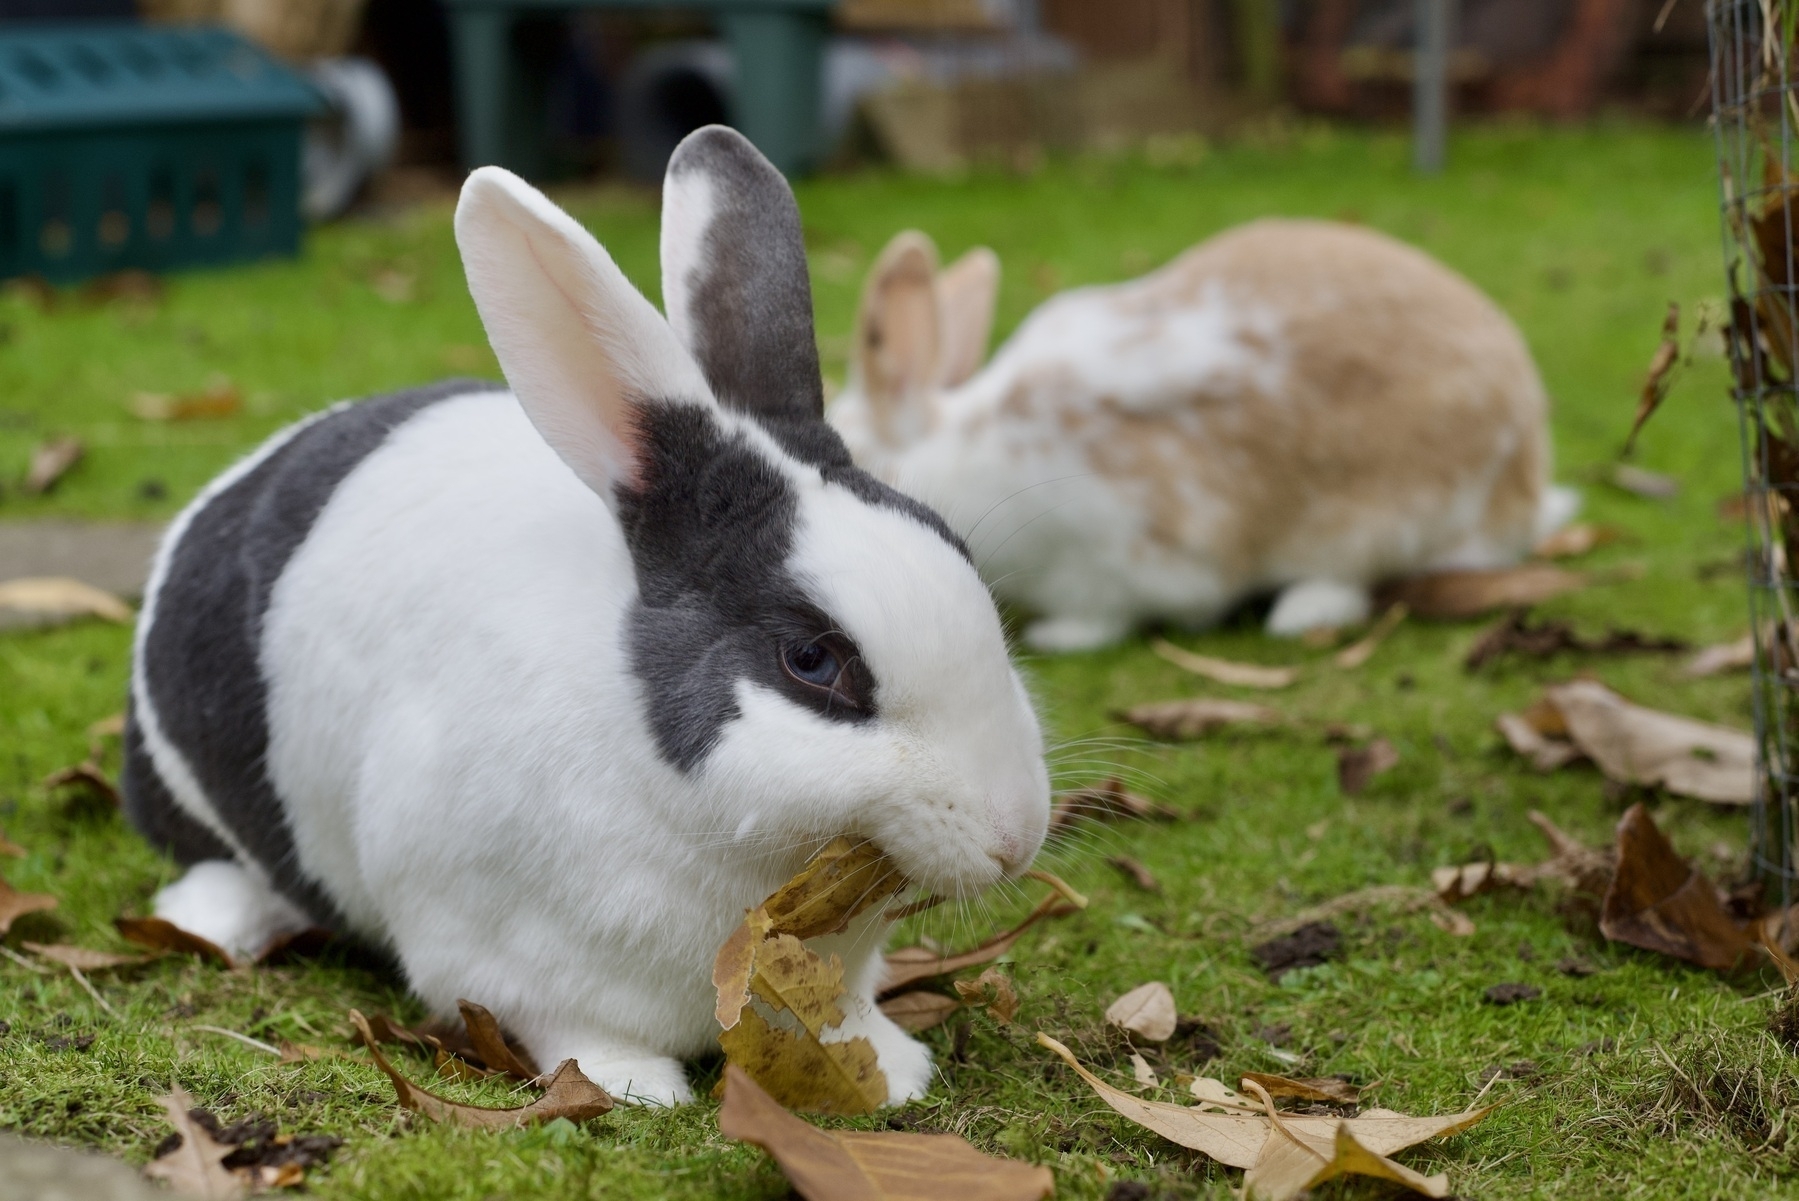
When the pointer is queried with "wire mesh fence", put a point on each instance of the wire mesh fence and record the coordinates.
(1755, 114)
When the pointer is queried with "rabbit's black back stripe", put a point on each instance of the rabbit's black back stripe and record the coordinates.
(164, 824)
(710, 530)
(750, 301)
(201, 661)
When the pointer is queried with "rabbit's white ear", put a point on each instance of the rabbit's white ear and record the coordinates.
(897, 336)
(967, 293)
(579, 345)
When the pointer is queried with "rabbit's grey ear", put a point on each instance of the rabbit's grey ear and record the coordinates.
(967, 291)
(734, 277)
(898, 337)
(579, 345)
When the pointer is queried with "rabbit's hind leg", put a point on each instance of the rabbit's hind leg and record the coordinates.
(227, 904)
(1318, 604)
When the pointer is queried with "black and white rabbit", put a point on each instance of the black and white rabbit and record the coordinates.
(542, 688)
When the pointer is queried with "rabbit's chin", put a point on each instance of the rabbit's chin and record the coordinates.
(955, 873)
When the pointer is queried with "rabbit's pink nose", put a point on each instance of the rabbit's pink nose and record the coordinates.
(1009, 854)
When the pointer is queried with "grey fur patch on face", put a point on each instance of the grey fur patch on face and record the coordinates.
(748, 298)
(201, 656)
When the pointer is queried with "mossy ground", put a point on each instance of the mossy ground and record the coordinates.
(1652, 1079)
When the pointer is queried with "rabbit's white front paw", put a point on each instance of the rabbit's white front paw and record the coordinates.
(1075, 633)
(229, 906)
(1318, 604)
(630, 1075)
(904, 1060)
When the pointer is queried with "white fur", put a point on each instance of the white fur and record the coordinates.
(463, 751)
(228, 904)
(1009, 459)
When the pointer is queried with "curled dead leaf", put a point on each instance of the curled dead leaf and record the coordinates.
(84, 959)
(87, 777)
(1515, 635)
(50, 461)
(1636, 745)
(910, 965)
(160, 934)
(1471, 879)
(1523, 736)
(219, 398)
(1658, 902)
(879, 1166)
(15, 905)
(58, 598)
(1455, 595)
(920, 1009)
(489, 1042)
(195, 1167)
(992, 990)
(1728, 656)
(1146, 1011)
(1225, 671)
(1357, 766)
(566, 1094)
(1327, 1089)
(1196, 717)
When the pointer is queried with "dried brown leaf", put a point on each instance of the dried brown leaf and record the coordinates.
(992, 990)
(84, 959)
(920, 1009)
(1357, 766)
(1327, 1089)
(220, 398)
(1659, 378)
(1142, 1073)
(1578, 539)
(1545, 754)
(196, 1167)
(160, 934)
(1362, 650)
(1106, 802)
(839, 1077)
(1197, 716)
(882, 1166)
(1651, 485)
(839, 883)
(1515, 635)
(1635, 745)
(1225, 671)
(910, 965)
(88, 777)
(1146, 1011)
(1283, 1154)
(1658, 902)
(1139, 875)
(1455, 595)
(1471, 879)
(567, 1094)
(15, 905)
(1584, 869)
(1727, 656)
(58, 598)
(490, 1043)
(50, 461)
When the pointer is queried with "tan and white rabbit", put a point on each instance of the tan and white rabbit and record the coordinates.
(1302, 408)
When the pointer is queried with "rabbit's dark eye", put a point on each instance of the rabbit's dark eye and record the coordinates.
(813, 663)
(829, 670)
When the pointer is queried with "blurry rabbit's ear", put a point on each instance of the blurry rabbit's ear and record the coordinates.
(580, 346)
(734, 276)
(898, 331)
(967, 293)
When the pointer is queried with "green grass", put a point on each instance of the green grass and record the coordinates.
(1582, 234)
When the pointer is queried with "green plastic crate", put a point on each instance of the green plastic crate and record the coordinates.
(128, 146)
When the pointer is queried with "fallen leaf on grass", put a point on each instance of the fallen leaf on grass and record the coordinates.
(220, 398)
(89, 777)
(1525, 737)
(1357, 766)
(920, 1009)
(1224, 671)
(1362, 650)
(1147, 1011)
(84, 959)
(1139, 875)
(824, 1165)
(57, 598)
(1514, 635)
(1455, 595)
(1471, 879)
(489, 1042)
(50, 461)
(1283, 1154)
(195, 1167)
(1142, 1073)
(1728, 656)
(160, 934)
(1106, 802)
(1651, 485)
(1577, 539)
(992, 991)
(15, 905)
(566, 1094)
(1197, 717)
(1326, 1089)
(1658, 902)
(909, 965)
(1660, 376)
(1635, 745)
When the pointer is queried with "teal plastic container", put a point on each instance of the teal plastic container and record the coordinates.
(154, 147)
